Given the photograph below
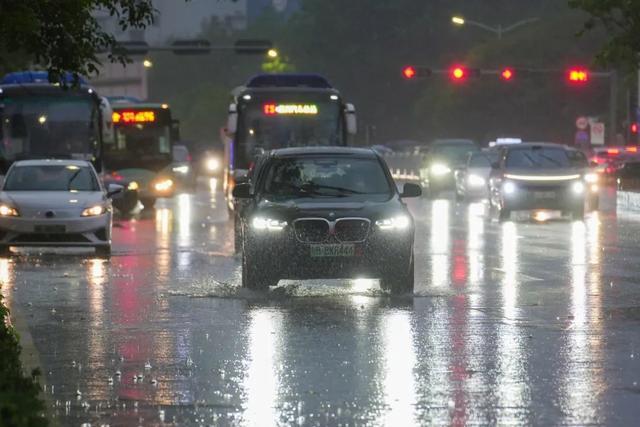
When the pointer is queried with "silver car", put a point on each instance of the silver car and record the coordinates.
(55, 203)
(472, 180)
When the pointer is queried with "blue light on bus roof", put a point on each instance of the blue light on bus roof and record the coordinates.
(32, 77)
(315, 81)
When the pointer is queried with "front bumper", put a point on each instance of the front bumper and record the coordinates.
(531, 197)
(89, 231)
(382, 253)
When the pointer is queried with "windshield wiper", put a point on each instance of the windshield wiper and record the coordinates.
(72, 178)
(552, 160)
(316, 187)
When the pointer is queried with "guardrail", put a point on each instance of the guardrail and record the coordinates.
(405, 166)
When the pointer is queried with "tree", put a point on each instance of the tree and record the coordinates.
(64, 35)
(621, 20)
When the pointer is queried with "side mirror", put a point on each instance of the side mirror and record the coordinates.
(411, 190)
(351, 120)
(242, 191)
(232, 120)
(115, 191)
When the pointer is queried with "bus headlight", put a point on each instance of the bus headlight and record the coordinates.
(163, 185)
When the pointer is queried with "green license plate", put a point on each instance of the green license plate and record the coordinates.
(321, 251)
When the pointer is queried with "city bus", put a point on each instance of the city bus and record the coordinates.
(140, 153)
(39, 119)
(281, 110)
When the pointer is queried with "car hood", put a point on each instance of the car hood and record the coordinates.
(331, 208)
(544, 173)
(52, 199)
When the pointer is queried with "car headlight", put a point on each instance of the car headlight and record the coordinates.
(439, 169)
(476, 180)
(184, 169)
(163, 185)
(94, 210)
(260, 223)
(509, 188)
(591, 178)
(213, 164)
(133, 186)
(578, 187)
(400, 222)
(6, 210)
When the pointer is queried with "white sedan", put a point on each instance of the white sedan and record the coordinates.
(55, 203)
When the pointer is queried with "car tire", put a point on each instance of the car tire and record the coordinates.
(255, 275)
(5, 251)
(400, 282)
(103, 251)
(578, 213)
(148, 202)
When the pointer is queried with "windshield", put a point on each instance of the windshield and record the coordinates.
(454, 153)
(63, 125)
(479, 161)
(137, 145)
(51, 178)
(269, 125)
(537, 158)
(325, 177)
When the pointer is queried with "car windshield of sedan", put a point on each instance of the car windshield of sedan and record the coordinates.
(51, 178)
(538, 157)
(325, 177)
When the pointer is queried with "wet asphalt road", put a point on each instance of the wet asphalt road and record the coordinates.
(515, 323)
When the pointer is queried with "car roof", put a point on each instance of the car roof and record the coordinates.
(311, 151)
(52, 162)
(529, 145)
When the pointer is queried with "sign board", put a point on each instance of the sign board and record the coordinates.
(582, 123)
(597, 133)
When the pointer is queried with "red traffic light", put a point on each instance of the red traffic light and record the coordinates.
(458, 73)
(578, 75)
(634, 128)
(507, 74)
(409, 72)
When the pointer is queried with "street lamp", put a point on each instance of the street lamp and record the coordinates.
(499, 30)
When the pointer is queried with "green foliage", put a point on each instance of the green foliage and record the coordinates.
(20, 404)
(621, 20)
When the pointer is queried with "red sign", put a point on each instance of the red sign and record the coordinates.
(130, 117)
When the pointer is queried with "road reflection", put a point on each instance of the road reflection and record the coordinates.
(439, 243)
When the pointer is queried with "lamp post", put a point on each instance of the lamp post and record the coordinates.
(499, 30)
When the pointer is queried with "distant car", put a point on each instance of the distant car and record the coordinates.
(329, 212)
(545, 176)
(55, 203)
(182, 167)
(442, 158)
(472, 180)
(211, 163)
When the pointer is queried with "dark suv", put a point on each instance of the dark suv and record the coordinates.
(332, 213)
(543, 176)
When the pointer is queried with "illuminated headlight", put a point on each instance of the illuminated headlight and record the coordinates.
(94, 211)
(509, 188)
(260, 223)
(164, 185)
(396, 223)
(8, 211)
(184, 169)
(439, 169)
(133, 186)
(476, 180)
(577, 187)
(213, 164)
(591, 178)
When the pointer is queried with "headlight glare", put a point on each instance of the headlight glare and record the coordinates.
(6, 210)
(184, 169)
(476, 180)
(509, 188)
(400, 222)
(578, 187)
(440, 169)
(163, 185)
(133, 186)
(94, 211)
(213, 164)
(260, 223)
(591, 178)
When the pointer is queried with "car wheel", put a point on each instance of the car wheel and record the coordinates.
(578, 213)
(103, 251)
(148, 202)
(255, 275)
(400, 282)
(5, 251)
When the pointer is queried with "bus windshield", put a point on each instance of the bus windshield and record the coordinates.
(61, 125)
(137, 145)
(270, 125)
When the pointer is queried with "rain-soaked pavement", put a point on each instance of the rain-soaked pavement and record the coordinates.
(515, 323)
